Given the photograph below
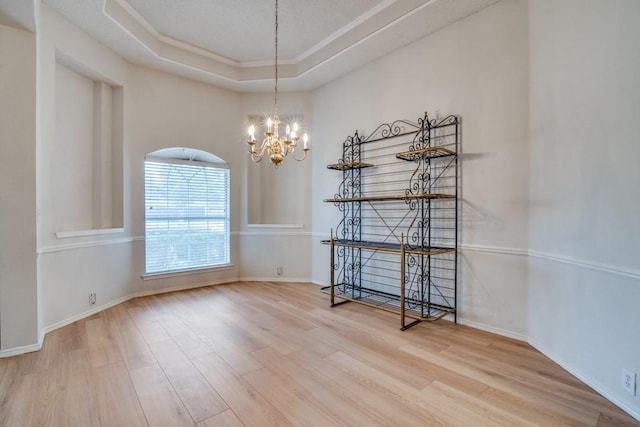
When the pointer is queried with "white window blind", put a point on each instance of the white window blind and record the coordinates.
(186, 216)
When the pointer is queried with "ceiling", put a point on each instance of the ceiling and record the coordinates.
(231, 43)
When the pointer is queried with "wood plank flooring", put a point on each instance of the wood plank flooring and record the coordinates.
(267, 354)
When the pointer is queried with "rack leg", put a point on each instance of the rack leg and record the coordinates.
(332, 291)
(402, 325)
(331, 279)
(407, 326)
(340, 303)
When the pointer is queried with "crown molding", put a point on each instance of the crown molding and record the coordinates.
(384, 28)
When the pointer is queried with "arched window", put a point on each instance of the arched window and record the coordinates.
(186, 210)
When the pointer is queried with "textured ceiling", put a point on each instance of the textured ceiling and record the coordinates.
(230, 43)
(18, 13)
(244, 30)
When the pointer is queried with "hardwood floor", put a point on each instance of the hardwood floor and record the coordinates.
(257, 354)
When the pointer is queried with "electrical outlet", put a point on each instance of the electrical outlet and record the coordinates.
(629, 381)
(279, 271)
(92, 298)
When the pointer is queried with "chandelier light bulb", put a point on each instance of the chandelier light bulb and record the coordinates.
(295, 126)
(288, 130)
(252, 131)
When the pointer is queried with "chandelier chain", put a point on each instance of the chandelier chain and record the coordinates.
(276, 65)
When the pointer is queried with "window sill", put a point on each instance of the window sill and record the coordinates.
(178, 273)
(83, 233)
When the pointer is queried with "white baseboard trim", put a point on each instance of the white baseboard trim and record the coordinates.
(492, 329)
(57, 325)
(150, 292)
(16, 351)
(272, 279)
(470, 323)
(596, 385)
(182, 288)
(83, 315)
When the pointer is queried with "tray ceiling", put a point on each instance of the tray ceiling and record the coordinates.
(230, 43)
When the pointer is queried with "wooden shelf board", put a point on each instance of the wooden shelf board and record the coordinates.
(388, 247)
(349, 165)
(429, 153)
(391, 197)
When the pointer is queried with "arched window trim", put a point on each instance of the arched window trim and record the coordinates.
(189, 231)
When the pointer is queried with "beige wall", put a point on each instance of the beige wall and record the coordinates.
(18, 282)
(276, 203)
(476, 68)
(169, 111)
(71, 160)
(70, 268)
(278, 196)
(584, 282)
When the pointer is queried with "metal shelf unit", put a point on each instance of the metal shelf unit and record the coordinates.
(395, 247)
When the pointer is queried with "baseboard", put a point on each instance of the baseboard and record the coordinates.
(182, 288)
(35, 347)
(16, 351)
(603, 390)
(469, 323)
(83, 315)
(272, 279)
(492, 329)
(596, 385)
(50, 328)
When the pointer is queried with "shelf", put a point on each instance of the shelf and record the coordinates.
(425, 153)
(388, 247)
(349, 166)
(414, 276)
(390, 197)
(387, 302)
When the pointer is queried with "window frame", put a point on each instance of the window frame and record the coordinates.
(226, 218)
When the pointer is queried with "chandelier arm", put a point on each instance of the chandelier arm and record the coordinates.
(263, 148)
(256, 158)
(287, 149)
(304, 155)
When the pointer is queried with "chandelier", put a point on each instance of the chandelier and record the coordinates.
(276, 146)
